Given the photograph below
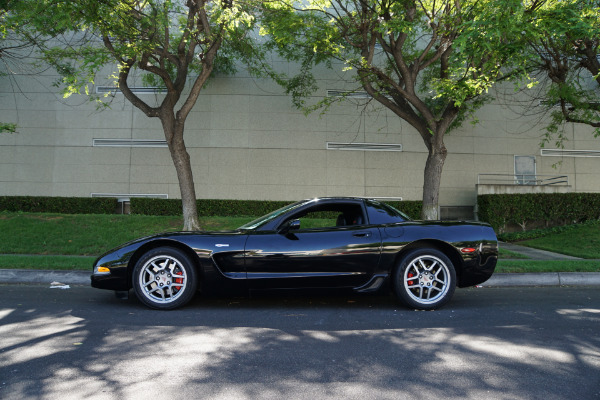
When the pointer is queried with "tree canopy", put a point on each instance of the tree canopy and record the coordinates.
(19, 40)
(173, 44)
(566, 53)
(430, 62)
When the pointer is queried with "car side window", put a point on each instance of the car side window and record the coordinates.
(317, 219)
(331, 216)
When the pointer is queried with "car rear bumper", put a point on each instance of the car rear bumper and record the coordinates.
(478, 272)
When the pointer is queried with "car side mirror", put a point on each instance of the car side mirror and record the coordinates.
(291, 225)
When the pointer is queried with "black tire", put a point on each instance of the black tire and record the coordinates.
(425, 279)
(164, 278)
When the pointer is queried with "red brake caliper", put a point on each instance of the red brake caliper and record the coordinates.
(410, 275)
(178, 280)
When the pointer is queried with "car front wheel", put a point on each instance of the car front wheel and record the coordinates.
(425, 279)
(164, 278)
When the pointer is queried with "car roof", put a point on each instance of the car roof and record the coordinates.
(384, 199)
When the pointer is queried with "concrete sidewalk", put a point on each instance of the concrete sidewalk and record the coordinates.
(535, 254)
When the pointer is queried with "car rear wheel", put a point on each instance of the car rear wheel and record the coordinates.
(164, 278)
(425, 279)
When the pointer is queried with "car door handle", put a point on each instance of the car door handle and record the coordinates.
(362, 234)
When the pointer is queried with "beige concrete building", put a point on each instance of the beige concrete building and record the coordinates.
(247, 141)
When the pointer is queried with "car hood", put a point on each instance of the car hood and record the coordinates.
(176, 236)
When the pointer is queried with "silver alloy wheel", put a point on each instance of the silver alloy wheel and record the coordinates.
(426, 279)
(162, 279)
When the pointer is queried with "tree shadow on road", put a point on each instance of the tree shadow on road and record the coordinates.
(487, 343)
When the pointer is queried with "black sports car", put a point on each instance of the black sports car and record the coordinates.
(360, 244)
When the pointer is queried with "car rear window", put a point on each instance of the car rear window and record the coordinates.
(381, 213)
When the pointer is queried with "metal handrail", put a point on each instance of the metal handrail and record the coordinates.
(525, 179)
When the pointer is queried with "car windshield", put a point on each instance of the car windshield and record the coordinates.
(266, 218)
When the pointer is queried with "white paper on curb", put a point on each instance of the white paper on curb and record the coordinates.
(58, 285)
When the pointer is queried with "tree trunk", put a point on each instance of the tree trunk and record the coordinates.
(183, 166)
(433, 176)
(181, 159)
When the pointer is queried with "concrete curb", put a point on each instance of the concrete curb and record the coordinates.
(44, 276)
(541, 279)
(545, 279)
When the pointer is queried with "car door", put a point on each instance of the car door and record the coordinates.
(342, 255)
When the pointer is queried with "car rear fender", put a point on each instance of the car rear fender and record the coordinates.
(442, 246)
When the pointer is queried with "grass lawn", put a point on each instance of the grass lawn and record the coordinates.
(578, 241)
(507, 254)
(88, 235)
(69, 242)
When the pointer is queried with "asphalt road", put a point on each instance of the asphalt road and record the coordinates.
(488, 343)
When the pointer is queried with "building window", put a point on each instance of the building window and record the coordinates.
(134, 89)
(525, 172)
(128, 143)
(364, 146)
(359, 94)
(127, 196)
(569, 153)
(352, 94)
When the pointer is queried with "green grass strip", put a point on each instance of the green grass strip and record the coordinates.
(507, 254)
(62, 263)
(520, 266)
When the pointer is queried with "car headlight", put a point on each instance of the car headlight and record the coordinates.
(101, 270)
